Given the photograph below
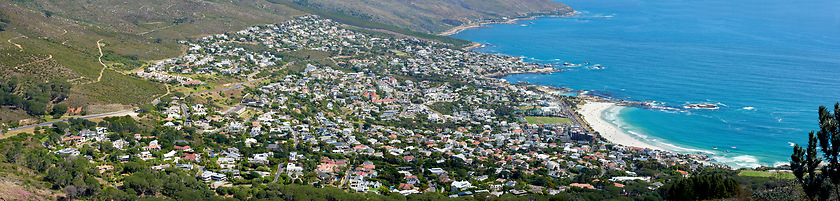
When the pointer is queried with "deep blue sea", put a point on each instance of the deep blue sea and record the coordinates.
(767, 64)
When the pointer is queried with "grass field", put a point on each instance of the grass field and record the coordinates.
(752, 173)
(444, 108)
(547, 120)
(398, 53)
(119, 88)
(528, 107)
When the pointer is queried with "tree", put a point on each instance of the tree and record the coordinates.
(58, 110)
(146, 108)
(804, 162)
(829, 136)
(35, 108)
(61, 126)
(701, 187)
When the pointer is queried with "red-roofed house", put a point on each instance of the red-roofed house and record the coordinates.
(406, 186)
(589, 186)
(152, 147)
(184, 148)
(384, 100)
(76, 139)
(192, 157)
(408, 158)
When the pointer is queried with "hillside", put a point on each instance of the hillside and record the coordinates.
(95, 45)
(48, 41)
(436, 16)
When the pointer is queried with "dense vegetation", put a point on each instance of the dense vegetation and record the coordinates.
(3, 22)
(703, 187)
(37, 98)
(818, 182)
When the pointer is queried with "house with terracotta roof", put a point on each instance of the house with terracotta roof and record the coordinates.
(153, 146)
(589, 186)
(405, 186)
(74, 139)
(183, 148)
(408, 158)
(192, 157)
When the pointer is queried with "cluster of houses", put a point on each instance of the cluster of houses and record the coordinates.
(369, 111)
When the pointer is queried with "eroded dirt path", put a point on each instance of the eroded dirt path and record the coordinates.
(16, 45)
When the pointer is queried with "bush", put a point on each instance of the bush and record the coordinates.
(58, 110)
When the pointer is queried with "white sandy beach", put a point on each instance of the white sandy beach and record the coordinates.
(592, 112)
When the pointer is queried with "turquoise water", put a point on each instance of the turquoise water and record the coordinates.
(768, 65)
(569, 94)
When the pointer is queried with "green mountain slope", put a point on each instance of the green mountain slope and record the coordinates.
(44, 41)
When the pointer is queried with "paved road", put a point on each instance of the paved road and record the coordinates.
(110, 114)
(572, 115)
(237, 107)
(279, 171)
(185, 111)
(346, 177)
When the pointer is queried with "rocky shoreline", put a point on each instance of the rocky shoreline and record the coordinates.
(543, 70)
(466, 26)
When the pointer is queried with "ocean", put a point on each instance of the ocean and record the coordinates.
(767, 64)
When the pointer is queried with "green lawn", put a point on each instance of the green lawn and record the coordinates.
(528, 107)
(398, 53)
(547, 120)
(752, 173)
(444, 108)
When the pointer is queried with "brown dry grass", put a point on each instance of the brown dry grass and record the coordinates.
(105, 108)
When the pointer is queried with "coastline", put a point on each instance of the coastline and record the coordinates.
(466, 26)
(593, 111)
(532, 71)
(593, 114)
(460, 28)
(474, 45)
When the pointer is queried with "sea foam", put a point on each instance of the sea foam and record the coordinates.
(740, 161)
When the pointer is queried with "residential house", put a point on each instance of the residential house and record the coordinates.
(460, 185)
(192, 157)
(212, 176)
